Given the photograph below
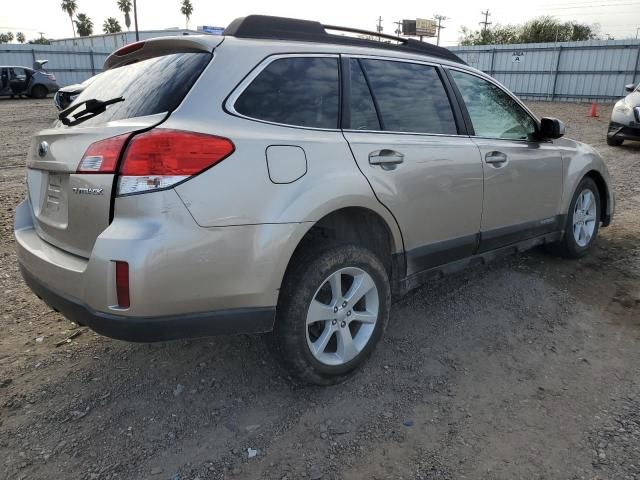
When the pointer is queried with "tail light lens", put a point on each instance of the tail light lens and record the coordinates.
(161, 158)
(102, 156)
(122, 284)
(51, 76)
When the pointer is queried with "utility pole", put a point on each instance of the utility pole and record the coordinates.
(440, 19)
(379, 27)
(135, 18)
(637, 31)
(399, 29)
(486, 22)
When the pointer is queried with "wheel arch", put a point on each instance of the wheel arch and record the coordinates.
(603, 191)
(359, 225)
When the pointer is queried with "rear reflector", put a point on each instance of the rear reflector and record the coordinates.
(102, 156)
(161, 158)
(122, 284)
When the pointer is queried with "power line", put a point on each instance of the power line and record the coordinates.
(590, 7)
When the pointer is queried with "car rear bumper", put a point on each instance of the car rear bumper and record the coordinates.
(624, 132)
(154, 329)
(184, 280)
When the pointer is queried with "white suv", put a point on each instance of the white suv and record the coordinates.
(625, 118)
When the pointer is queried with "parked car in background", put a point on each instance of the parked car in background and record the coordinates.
(66, 95)
(625, 118)
(23, 81)
(284, 178)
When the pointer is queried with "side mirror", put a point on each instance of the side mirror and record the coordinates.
(551, 128)
(629, 88)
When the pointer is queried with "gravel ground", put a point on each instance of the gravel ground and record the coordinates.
(527, 368)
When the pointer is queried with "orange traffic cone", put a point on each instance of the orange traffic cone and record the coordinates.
(593, 111)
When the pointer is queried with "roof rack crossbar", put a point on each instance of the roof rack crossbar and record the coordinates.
(401, 40)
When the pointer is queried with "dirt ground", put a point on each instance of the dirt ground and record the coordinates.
(526, 369)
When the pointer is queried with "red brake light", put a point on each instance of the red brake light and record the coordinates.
(127, 49)
(102, 156)
(122, 284)
(161, 158)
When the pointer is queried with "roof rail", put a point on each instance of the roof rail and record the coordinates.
(282, 28)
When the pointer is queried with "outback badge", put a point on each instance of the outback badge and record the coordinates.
(87, 191)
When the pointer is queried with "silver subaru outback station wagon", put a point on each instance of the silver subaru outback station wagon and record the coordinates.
(282, 178)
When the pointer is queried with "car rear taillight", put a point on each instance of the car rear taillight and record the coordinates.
(162, 158)
(51, 76)
(102, 156)
(122, 284)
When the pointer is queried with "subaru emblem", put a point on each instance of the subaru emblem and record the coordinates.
(43, 148)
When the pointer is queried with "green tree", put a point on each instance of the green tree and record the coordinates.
(4, 37)
(187, 10)
(71, 7)
(84, 25)
(20, 37)
(125, 7)
(39, 41)
(543, 29)
(111, 25)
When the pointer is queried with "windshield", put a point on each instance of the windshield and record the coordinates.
(155, 85)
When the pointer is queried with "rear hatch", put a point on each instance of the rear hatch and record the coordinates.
(71, 207)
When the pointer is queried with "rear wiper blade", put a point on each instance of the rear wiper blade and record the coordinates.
(92, 107)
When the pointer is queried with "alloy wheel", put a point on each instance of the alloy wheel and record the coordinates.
(342, 316)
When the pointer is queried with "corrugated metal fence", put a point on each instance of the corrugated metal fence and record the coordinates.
(569, 71)
(566, 71)
(70, 65)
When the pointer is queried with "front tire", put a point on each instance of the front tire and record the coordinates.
(333, 308)
(583, 221)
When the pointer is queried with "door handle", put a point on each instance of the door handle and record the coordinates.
(386, 158)
(495, 158)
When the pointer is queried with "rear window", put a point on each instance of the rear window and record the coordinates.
(300, 91)
(155, 85)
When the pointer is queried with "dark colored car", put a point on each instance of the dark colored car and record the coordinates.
(22, 81)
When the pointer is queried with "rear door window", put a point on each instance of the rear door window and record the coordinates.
(361, 106)
(301, 91)
(151, 86)
(410, 97)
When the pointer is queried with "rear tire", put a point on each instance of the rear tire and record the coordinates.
(582, 223)
(38, 92)
(614, 142)
(332, 311)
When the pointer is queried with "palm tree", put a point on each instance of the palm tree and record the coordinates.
(187, 10)
(84, 25)
(111, 25)
(71, 7)
(125, 7)
(20, 37)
